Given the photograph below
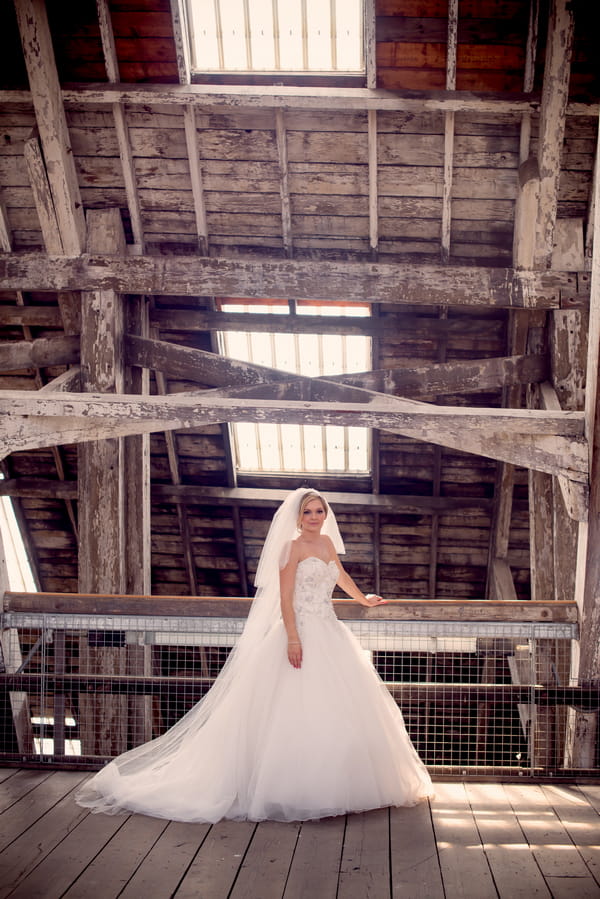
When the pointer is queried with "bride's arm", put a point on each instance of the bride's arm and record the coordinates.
(287, 577)
(351, 588)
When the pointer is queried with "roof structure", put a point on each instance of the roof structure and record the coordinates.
(451, 189)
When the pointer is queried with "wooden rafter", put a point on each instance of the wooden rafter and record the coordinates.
(51, 122)
(553, 113)
(400, 283)
(273, 97)
(536, 439)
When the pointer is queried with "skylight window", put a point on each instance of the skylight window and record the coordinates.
(276, 36)
(294, 448)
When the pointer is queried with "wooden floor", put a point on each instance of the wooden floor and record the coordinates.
(473, 840)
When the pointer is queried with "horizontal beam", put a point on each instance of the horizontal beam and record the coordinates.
(352, 282)
(40, 353)
(217, 607)
(443, 378)
(545, 441)
(194, 687)
(263, 497)
(384, 412)
(283, 97)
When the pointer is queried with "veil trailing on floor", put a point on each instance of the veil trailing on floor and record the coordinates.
(153, 758)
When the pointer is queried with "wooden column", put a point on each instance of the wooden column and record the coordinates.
(102, 495)
(137, 563)
(581, 751)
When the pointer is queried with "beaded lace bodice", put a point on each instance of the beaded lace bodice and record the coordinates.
(315, 580)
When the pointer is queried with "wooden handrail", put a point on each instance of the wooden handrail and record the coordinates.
(227, 607)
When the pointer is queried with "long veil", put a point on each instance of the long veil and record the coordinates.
(153, 758)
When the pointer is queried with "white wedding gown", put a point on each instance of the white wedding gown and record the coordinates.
(282, 744)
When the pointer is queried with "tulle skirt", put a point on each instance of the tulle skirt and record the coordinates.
(281, 744)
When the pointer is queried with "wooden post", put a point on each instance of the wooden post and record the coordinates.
(103, 725)
(137, 572)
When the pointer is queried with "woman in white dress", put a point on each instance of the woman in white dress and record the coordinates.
(298, 725)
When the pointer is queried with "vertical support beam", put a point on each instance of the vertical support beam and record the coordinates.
(103, 725)
(373, 183)
(555, 95)
(137, 562)
(52, 124)
(451, 57)
(370, 54)
(284, 189)
(582, 738)
(191, 142)
(15, 715)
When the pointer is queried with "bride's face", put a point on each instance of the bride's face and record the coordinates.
(313, 517)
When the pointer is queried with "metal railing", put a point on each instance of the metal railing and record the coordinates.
(481, 695)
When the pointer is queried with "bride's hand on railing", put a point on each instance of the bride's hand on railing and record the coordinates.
(372, 599)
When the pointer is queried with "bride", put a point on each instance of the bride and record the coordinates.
(298, 725)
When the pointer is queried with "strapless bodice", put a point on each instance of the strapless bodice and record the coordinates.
(315, 580)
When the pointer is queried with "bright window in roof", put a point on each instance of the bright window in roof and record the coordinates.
(277, 36)
(289, 447)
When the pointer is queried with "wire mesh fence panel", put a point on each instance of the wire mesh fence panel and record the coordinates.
(477, 697)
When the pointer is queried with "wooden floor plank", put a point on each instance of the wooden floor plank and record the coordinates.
(167, 861)
(580, 820)
(365, 866)
(265, 867)
(316, 863)
(217, 862)
(551, 845)
(44, 834)
(463, 863)
(592, 794)
(35, 804)
(120, 858)
(6, 773)
(415, 869)
(515, 871)
(512, 841)
(22, 782)
(55, 874)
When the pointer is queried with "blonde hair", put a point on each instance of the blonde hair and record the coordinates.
(306, 499)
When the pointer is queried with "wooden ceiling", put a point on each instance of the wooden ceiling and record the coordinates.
(452, 191)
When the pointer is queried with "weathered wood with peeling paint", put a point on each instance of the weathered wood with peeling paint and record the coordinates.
(193, 607)
(351, 282)
(549, 441)
(555, 94)
(101, 500)
(51, 122)
(43, 352)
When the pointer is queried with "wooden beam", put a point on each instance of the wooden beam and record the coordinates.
(293, 97)
(545, 441)
(373, 182)
(101, 493)
(210, 607)
(368, 325)
(51, 121)
(31, 316)
(444, 378)
(504, 586)
(101, 509)
(193, 154)
(68, 301)
(40, 353)
(254, 497)
(555, 94)
(111, 63)
(400, 283)
(575, 496)
(284, 187)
